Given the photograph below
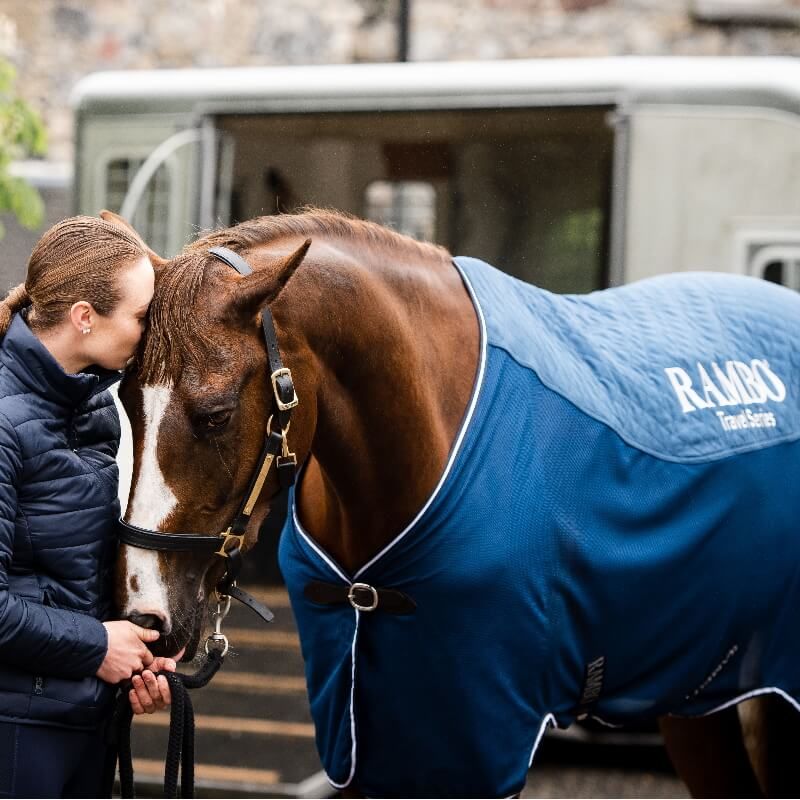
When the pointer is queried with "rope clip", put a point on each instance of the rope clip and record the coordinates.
(218, 640)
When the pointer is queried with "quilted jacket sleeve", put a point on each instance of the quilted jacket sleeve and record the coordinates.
(33, 636)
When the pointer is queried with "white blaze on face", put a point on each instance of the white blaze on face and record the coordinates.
(153, 500)
(147, 592)
(151, 504)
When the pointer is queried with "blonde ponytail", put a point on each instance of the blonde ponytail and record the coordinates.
(15, 300)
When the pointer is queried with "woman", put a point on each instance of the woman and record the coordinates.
(66, 332)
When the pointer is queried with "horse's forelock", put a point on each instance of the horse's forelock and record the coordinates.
(175, 337)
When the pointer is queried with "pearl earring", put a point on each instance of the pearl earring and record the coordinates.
(86, 330)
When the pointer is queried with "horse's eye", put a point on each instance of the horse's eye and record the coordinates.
(217, 420)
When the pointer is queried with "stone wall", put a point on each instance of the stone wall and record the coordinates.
(53, 43)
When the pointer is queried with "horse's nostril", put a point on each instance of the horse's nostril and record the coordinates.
(152, 621)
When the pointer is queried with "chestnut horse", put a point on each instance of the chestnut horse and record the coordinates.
(383, 342)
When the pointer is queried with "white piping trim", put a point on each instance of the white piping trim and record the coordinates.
(548, 720)
(454, 453)
(461, 434)
(352, 713)
(313, 545)
(754, 693)
(727, 704)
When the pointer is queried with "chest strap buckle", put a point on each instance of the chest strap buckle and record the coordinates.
(360, 596)
(359, 599)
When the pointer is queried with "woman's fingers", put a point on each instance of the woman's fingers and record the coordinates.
(139, 698)
(136, 706)
(163, 689)
(153, 689)
(163, 664)
(153, 692)
(145, 634)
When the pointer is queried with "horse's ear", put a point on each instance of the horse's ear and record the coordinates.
(116, 219)
(262, 287)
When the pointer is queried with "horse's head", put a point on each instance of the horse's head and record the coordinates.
(199, 400)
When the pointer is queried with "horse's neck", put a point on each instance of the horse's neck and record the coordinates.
(397, 374)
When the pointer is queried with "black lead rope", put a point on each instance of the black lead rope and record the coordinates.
(180, 750)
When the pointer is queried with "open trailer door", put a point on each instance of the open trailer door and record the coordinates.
(527, 188)
(156, 203)
(167, 180)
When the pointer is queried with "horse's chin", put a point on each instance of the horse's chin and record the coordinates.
(171, 645)
(191, 646)
(167, 646)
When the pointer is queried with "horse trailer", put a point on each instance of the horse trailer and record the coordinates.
(571, 174)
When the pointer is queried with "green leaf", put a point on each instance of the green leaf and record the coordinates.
(22, 135)
(22, 200)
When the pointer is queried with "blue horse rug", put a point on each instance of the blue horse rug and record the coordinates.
(615, 534)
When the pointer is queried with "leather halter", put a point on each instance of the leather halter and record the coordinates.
(228, 543)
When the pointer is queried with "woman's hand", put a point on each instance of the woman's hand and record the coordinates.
(151, 692)
(127, 652)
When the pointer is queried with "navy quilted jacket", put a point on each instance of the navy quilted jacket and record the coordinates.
(58, 506)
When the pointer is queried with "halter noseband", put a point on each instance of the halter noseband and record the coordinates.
(228, 543)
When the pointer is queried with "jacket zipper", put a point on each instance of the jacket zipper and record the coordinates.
(38, 685)
(72, 437)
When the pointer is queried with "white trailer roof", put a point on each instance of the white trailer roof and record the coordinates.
(772, 82)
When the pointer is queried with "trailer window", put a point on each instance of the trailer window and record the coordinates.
(785, 272)
(407, 207)
(776, 261)
(152, 215)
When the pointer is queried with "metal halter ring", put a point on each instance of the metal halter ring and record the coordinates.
(226, 536)
(284, 432)
(219, 640)
(351, 596)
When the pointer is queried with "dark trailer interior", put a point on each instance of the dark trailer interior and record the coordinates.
(528, 190)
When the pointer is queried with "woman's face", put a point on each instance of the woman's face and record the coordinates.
(114, 338)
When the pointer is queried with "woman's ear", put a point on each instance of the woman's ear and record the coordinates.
(261, 288)
(115, 219)
(80, 315)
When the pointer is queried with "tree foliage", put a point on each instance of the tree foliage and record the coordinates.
(22, 135)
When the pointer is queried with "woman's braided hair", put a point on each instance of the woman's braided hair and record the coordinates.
(79, 258)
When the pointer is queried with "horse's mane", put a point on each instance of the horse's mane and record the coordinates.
(174, 338)
(310, 222)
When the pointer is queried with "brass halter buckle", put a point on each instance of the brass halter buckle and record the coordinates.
(274, 377)
(238, 539)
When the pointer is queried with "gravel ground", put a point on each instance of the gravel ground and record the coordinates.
(579, 781)
(568, 768)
